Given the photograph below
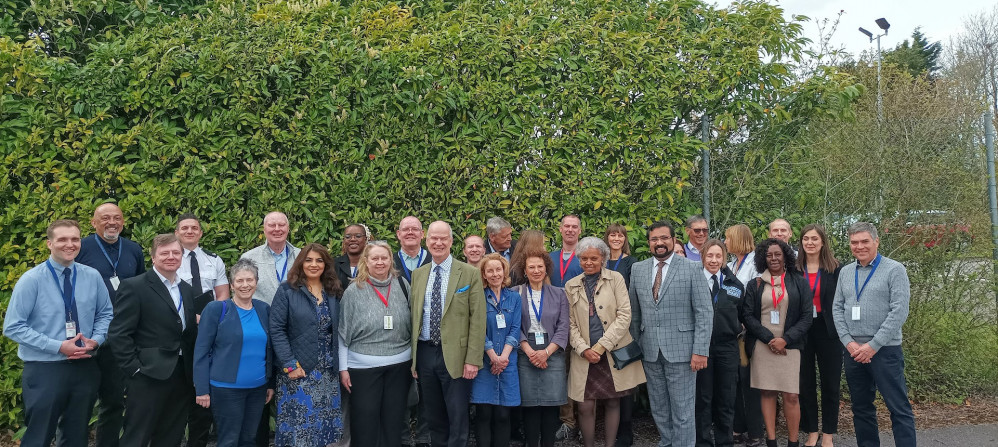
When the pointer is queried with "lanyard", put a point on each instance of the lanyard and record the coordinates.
(114, 265)
(405, 268)
(287, 255)
(384, 299)
(817, 281)
(615, 265)
(494, 301)
(72, 293)
(783, 289)
(720, 280)
(874, 265)
(564, 265)
(537, 310)
(740, 264)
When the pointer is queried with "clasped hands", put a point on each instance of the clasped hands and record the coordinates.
(778, 346)
(861, 353)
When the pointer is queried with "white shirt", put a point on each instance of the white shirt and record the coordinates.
(534, 297)
(174, 289)
(424, 333)
(212, 270)
(747, 273)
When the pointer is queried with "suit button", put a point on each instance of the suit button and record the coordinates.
(601, 307)
(604, 323)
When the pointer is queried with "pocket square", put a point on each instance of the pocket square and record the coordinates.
(463, 289)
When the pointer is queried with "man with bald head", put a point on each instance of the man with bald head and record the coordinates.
(448, 325)
(412, 255)
(117, 259)
(274, 258)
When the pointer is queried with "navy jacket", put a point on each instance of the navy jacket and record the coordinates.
(219, 344)
(132, 262)
(294, 327)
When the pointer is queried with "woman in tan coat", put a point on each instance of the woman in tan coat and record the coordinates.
(600, 316)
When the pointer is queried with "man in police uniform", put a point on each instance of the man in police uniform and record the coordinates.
(205, 272)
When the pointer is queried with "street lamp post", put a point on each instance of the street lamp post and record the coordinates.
(882, 23)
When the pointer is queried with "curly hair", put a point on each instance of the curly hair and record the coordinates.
(789, 258)
(330, 283)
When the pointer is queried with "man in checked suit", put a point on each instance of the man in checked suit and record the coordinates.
(448, 324)
(152, 337)
(672, 319)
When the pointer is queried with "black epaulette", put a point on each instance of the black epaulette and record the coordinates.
(210, 254)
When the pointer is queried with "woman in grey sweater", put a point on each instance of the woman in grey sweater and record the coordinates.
(375, 355)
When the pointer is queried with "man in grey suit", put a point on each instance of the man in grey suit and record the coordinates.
(672, 319)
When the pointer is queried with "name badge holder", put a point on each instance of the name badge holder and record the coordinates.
(500, 321)
(774, 317)
(70, 329)
(859, 290)
(114, 282)
(388, 322)
(855, 313)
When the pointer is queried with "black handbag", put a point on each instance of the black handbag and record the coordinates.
(626, 355)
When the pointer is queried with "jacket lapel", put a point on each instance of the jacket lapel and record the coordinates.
(157, 286)
(452, 282)
(670, 273)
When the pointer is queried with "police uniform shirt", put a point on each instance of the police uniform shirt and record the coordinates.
(209, 264)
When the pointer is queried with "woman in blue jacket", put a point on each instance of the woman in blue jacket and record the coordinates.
(497, 391)
(232, 361)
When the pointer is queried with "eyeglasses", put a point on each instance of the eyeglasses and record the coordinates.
(699, 230)
(410, 230)
(354, 236)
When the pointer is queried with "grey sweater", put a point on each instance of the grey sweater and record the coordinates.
(883, 305)
(362, 318)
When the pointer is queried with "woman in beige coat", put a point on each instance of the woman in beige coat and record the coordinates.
(600, 316)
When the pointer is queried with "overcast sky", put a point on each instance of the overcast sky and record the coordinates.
(939, 20)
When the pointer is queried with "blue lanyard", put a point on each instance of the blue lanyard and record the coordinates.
(615, 265)
(72, 293)
(405, 268)
(740, 264)
(494, 301)
(114, 265)
(537, 311)
(280, 276)
(720, 280)
(817, 280)
(874, 265)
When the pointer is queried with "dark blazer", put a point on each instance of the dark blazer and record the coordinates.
(488, 247)
(727, 316)
(623, 266)
(799, 308)
(220, 344)
(401, 268)
(343, 270)
(829, 281)
(294, 322)
(146, 333)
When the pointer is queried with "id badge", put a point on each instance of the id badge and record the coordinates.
(774, 317)
(500, 321)
(538, 338)
(814, 312)
(70, 329)
(114, 282)
(855, 313)
(388, 322)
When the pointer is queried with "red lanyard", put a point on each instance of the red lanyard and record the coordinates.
(563, 265)
(384, 299)
(783, 289)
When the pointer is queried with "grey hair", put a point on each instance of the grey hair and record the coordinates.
(243, 265)
(593, 242)
(863, 227)
(495, 225)
(694, 219)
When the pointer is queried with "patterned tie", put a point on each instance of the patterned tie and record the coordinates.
(714, 287)
(436, 306)
(195, 274)
(67, 297)
(658, 280)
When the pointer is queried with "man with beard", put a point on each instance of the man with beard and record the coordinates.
(672, 319)
(117, 259)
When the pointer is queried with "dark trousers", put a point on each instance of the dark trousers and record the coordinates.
(492, 425)
(885, 373)
(827, 352)
(445, 399)
(415, 431)
(156, 410)
(237, 414)
(625, 431)
(111, 392)
(748, 405)
(716, 389)
(199, 425)
(263, 427)
(540, 423)
(377, 404)
(58, 395)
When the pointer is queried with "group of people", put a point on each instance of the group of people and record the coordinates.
(382, 347)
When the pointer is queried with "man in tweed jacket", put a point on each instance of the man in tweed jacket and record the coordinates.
(672, 319)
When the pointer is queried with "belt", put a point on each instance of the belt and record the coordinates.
(428, 342)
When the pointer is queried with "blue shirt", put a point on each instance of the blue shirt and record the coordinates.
(251, 373)
(131, 263)
(572, 269)
(424, 332)
(36, 315)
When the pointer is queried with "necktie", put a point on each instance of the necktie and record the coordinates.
(658, 280)
(714, 287)
(67, 297)
(195, 274)
(436, 306)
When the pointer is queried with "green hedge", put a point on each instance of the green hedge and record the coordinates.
(369, 111)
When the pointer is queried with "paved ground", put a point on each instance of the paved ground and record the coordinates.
(963, 436)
